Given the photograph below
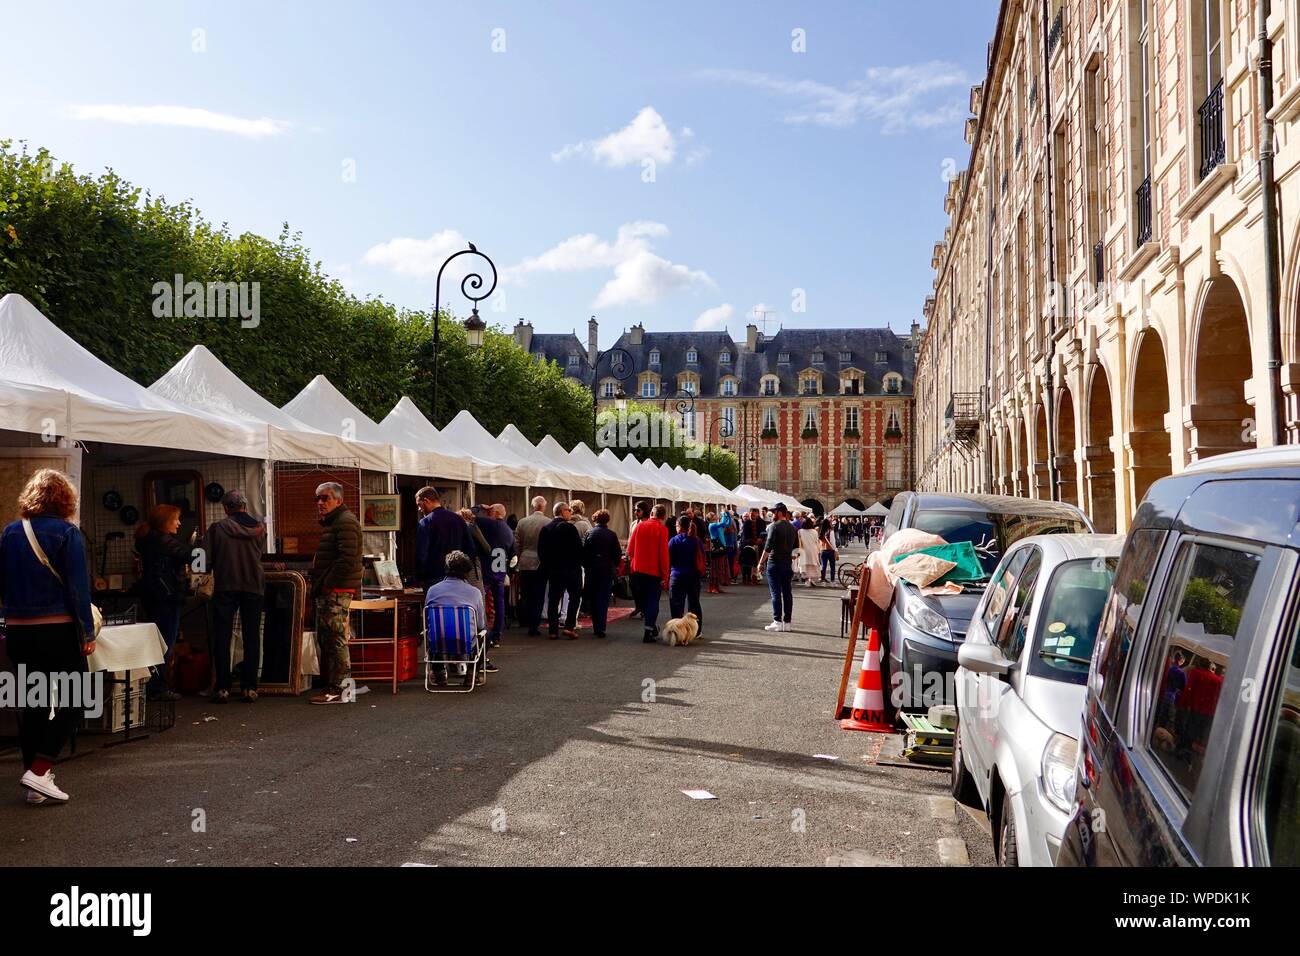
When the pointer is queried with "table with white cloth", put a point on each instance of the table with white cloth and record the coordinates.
(125, 648)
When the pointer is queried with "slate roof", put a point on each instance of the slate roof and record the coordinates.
(556, 346)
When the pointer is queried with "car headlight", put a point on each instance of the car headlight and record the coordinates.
(926, 619)
(1059, 757)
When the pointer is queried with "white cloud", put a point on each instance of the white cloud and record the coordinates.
(646, 137)
(899, 98)
(418, 258)
(186, 116)
(641, 277)
(714, 318)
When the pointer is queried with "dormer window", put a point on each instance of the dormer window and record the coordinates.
(649, 388)
(893, 382)
(783, 358)
(692, 356)
(688, 386)
(573, 360)
(882, 356)
(725, 357)
(654, 356)
(818, 358)
(728, 386)
(846, 356)
(608, 389)
(808, 385)
(770, 385)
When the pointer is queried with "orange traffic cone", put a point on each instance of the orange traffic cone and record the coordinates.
(869, 700)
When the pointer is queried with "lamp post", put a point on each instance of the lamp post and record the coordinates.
(726, 430)
(621, 367)
(474, 326)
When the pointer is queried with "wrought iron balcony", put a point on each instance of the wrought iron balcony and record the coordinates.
(1212, 146)
(1144, 212)
(1054, 35)
(964, 417)
(1099, 263)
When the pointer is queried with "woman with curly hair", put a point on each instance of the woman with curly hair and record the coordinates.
(163, 559)
(49, 629)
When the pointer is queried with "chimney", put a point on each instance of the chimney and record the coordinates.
(524, 335)
(916, 336)
(592, 340)
(636, 334)
(751, 337)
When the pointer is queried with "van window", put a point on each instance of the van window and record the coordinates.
(1011, 635)
(1281, 777)
(1196, 633)
(1000, 588)
(1123, 611)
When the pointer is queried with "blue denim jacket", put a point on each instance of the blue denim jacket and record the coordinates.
(28, 589)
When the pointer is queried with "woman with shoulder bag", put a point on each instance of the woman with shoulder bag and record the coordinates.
(163, 560)
(49, 624)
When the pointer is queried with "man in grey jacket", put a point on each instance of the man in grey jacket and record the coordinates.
(235, 546)
(532, 582)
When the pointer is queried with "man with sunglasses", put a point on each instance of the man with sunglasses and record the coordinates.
(335, 579)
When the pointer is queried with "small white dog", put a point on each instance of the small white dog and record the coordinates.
(682, 630)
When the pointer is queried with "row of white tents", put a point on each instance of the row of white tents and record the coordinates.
(52, 387)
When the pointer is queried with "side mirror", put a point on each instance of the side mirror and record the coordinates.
(982, 659)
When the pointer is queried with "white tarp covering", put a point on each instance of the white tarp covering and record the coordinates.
(323, 406)
(846, 510)
(647, 487)
(100, 404)
(553, 454)
(494, 463)
(545, 455)
(200, 381)
(406, 427)
(755, 497)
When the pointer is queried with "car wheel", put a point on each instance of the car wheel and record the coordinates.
(1008, 855)
(962, 783)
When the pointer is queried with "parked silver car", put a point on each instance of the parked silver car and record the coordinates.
(1021, 682)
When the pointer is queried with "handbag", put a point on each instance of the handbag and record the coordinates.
(96, 615)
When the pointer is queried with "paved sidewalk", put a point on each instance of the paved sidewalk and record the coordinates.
(576, 753)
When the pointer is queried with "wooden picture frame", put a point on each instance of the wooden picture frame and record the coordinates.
(284, 608)
(381, 513)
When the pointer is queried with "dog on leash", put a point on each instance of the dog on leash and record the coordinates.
(682, 630)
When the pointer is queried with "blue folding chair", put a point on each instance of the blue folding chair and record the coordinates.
(450, 639)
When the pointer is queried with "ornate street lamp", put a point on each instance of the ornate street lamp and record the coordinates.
(620, 367)
(474, 326)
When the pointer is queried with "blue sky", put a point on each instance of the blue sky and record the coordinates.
(390, 133)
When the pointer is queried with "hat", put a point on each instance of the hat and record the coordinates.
(780, 506)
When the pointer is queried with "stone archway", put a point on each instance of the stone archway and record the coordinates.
(1220, 420)
(856, 503)
(815, 506)
(1099, 458)
(1066, 472)
(1148, 437)
(1042, 474)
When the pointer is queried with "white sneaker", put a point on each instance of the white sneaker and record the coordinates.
(785, 625)
(775, 626)
(44, 785)
(35, 798)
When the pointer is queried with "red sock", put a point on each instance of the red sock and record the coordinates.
(41, 766)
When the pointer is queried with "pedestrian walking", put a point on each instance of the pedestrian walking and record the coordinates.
(163, 562)
(335, 579)
(532, 583)
(685, 558)
(501, 545)
(809, 550)
(49, 624)
(234, 547)
(782, 540)
(559, 554)
(829, 551)
(601, 554)
(717, 551)
(647, 553)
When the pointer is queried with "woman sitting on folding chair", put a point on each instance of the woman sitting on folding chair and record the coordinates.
(456, 590)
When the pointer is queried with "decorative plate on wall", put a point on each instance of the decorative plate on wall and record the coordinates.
(112, 500)
(213, 491)
(129, 515)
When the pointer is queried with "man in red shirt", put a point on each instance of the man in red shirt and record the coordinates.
(647, 553)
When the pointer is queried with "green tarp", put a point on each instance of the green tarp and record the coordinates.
(962, 554)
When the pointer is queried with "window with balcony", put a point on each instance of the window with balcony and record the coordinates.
(1140, 99)
(769, 422)
(810, 418)
(1093, 95)
(852, 467)
(894, 469)
(894, 424)
(851, 422)
(1208, 79)
(810, 464)
(728, 427)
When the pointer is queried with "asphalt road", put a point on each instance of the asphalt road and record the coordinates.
(575, 754)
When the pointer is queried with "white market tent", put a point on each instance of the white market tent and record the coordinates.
(615, 481)
(755, 497)
(323, 406)
(99, 402)
(876, 511)
(647, 486)
(846, 510)
(668, 489)
(546, 454)
(560, 490)
(201, 382)
(406, 426)
(588, 487)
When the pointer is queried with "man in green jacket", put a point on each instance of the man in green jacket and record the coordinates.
(336, 576)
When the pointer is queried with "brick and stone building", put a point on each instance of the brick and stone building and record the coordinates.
(821, 415)
(1102, 311)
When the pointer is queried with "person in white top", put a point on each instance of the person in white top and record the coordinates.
(809, 549)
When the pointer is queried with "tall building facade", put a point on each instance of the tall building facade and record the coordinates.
(820, 415)
(1115, 294)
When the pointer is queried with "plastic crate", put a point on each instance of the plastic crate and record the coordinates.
(113, 718)
(378, 659)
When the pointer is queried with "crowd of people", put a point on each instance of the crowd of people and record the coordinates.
(546, 568)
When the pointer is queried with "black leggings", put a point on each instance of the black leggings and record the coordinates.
(46, 649)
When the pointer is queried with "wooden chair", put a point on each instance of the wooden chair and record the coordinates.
(374, 670)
